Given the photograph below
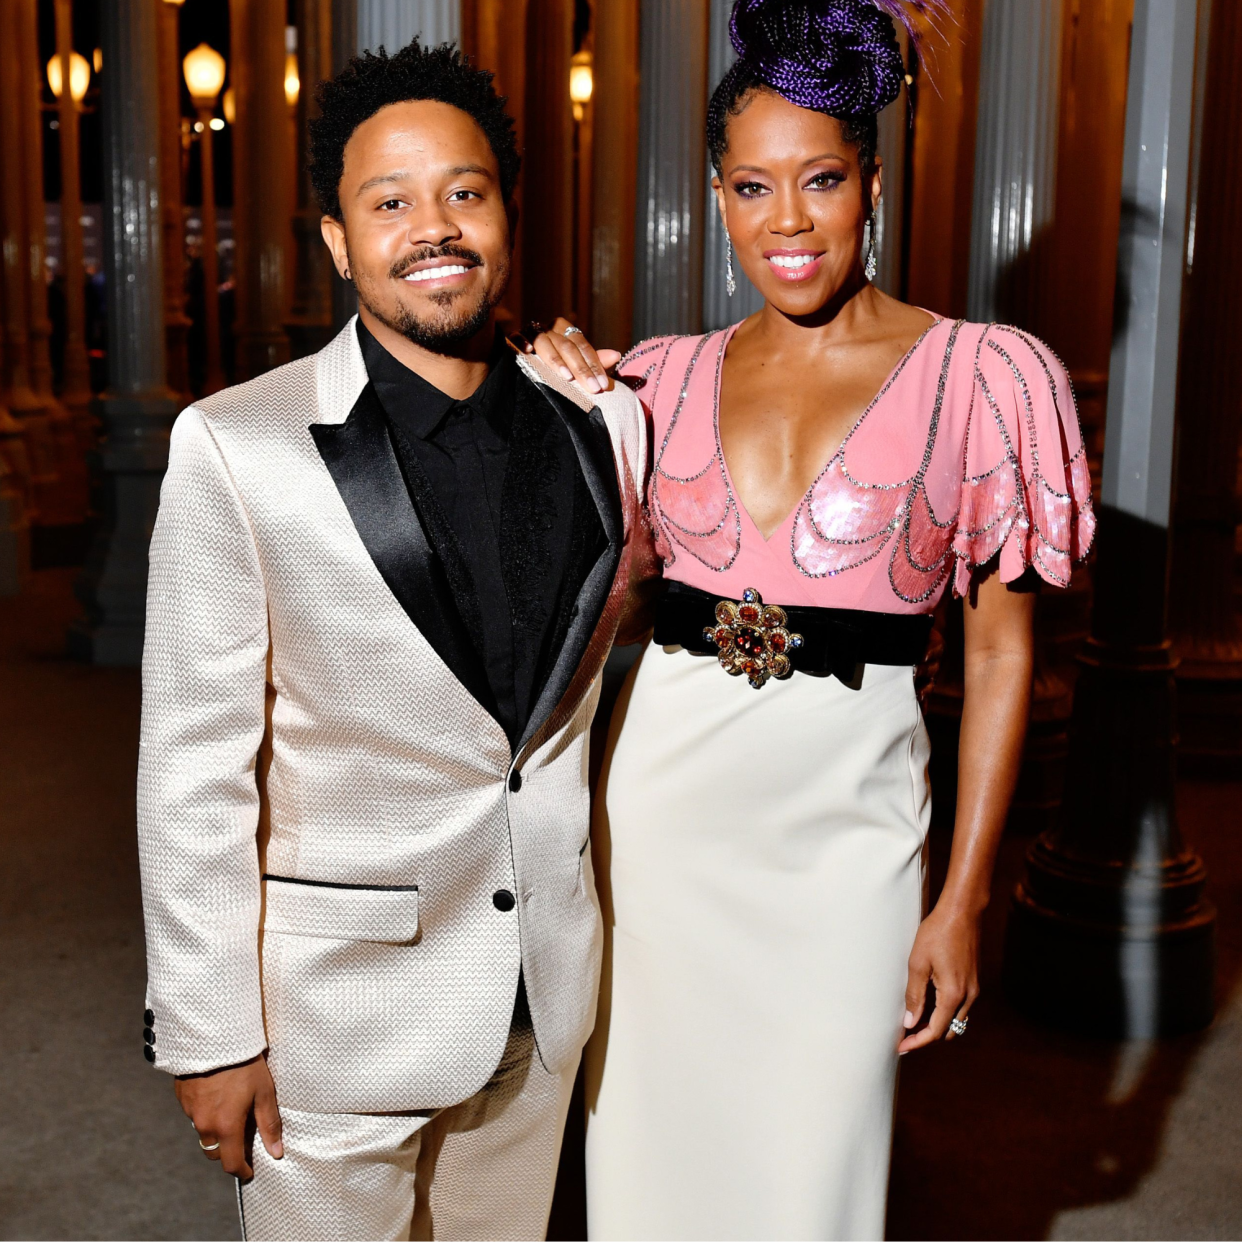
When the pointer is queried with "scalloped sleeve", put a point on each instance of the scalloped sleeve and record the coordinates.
(1026, 493)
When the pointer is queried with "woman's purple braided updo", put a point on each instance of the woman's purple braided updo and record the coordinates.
(835, 56)
(840, 57)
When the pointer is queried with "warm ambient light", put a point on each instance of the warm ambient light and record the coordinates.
(97, 59)
(581, 79)
(204, 74)
(79, 76)
(292, 84)
(229, 105)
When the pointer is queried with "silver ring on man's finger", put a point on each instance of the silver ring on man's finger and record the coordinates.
(958, 1026)
(209, 1146)
(572, 331)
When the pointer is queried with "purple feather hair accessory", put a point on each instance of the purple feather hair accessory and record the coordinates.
(835, 56)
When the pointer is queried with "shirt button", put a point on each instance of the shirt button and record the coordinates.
(515, 781)
(148, 1016)
(148, 1052)
(148, 1035)
(503, 900)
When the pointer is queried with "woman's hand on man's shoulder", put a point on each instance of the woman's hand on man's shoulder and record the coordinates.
(565, 348)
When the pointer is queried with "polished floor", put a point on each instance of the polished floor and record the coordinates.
(1014, 1132)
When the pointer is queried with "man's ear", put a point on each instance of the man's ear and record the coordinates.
(333, 232)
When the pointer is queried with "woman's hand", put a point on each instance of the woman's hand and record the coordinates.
(573, 357)
(946, 954)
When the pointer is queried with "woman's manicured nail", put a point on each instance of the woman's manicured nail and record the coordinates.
(908, 1020)
(566, 373)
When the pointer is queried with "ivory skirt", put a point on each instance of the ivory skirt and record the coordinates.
(760, 860)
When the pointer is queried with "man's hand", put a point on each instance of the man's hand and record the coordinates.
(220, 1105)
(573, 357)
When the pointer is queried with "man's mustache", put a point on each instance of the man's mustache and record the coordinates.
(447, 251)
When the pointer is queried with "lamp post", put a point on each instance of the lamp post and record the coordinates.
(204, 76)
(172, 159)
(581, 88)
(68, 65)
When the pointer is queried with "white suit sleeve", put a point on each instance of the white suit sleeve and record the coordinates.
(204, 675)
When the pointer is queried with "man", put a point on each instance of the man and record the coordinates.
(384, 580)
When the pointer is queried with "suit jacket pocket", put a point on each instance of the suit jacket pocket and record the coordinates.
(381, 914)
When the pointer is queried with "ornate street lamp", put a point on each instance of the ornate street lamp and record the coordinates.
(204, 76)
(68, 65)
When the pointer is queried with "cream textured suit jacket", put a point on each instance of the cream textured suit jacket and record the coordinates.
(326, 814)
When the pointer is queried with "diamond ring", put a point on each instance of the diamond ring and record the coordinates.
(958, 1026)
(572, 331)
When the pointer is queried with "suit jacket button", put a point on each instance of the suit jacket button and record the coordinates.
(515, 781)
(148, 1016)
(149, 1053)
(503, 900)
(148, 1035)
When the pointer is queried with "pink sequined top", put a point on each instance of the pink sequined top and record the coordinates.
(972, 447)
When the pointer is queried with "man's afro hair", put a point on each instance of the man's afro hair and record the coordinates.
(373, 80)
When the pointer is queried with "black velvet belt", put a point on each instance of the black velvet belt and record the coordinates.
(760, 641)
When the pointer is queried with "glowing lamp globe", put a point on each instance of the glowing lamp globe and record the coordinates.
(79, 76)
(204, 74)
(581, 79)
(292, 84)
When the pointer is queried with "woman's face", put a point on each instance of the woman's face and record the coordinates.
(795, 203)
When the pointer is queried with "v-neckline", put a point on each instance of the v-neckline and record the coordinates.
(881, 392)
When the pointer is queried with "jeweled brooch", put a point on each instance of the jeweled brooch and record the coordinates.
(753, 639)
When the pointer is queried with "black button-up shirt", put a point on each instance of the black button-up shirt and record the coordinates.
(496, 482)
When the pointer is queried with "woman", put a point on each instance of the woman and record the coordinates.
(761, 850)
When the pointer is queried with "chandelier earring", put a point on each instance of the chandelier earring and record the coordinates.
(872, 264)
(730, 282)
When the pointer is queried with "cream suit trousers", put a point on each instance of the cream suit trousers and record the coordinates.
(485, 1168)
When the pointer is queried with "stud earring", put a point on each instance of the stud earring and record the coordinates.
(730, 282)
(872, 265)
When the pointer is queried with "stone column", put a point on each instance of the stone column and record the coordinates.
(668, 243)
(138, 408)
(36, 457)
(1110, 930)
(1015, 158)
(1205, 622)
(176, 321)
(894, 133)
(546, 237)
(310, 316)
(262, 198)
(66, 499)
(76, 394)
(1014, 205)
(393, 23)
(720, 310)
(614, 171)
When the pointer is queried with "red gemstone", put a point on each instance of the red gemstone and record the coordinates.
(777, 641)
(748, 613)
(749, 641)
(723, 637)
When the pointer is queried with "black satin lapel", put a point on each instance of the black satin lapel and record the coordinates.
(360, 458)
(593, 445)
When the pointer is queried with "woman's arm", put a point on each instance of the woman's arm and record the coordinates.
(999, 623)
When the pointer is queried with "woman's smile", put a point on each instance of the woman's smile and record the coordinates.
(794, 265)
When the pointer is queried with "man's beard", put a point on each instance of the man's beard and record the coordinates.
(455, 326)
